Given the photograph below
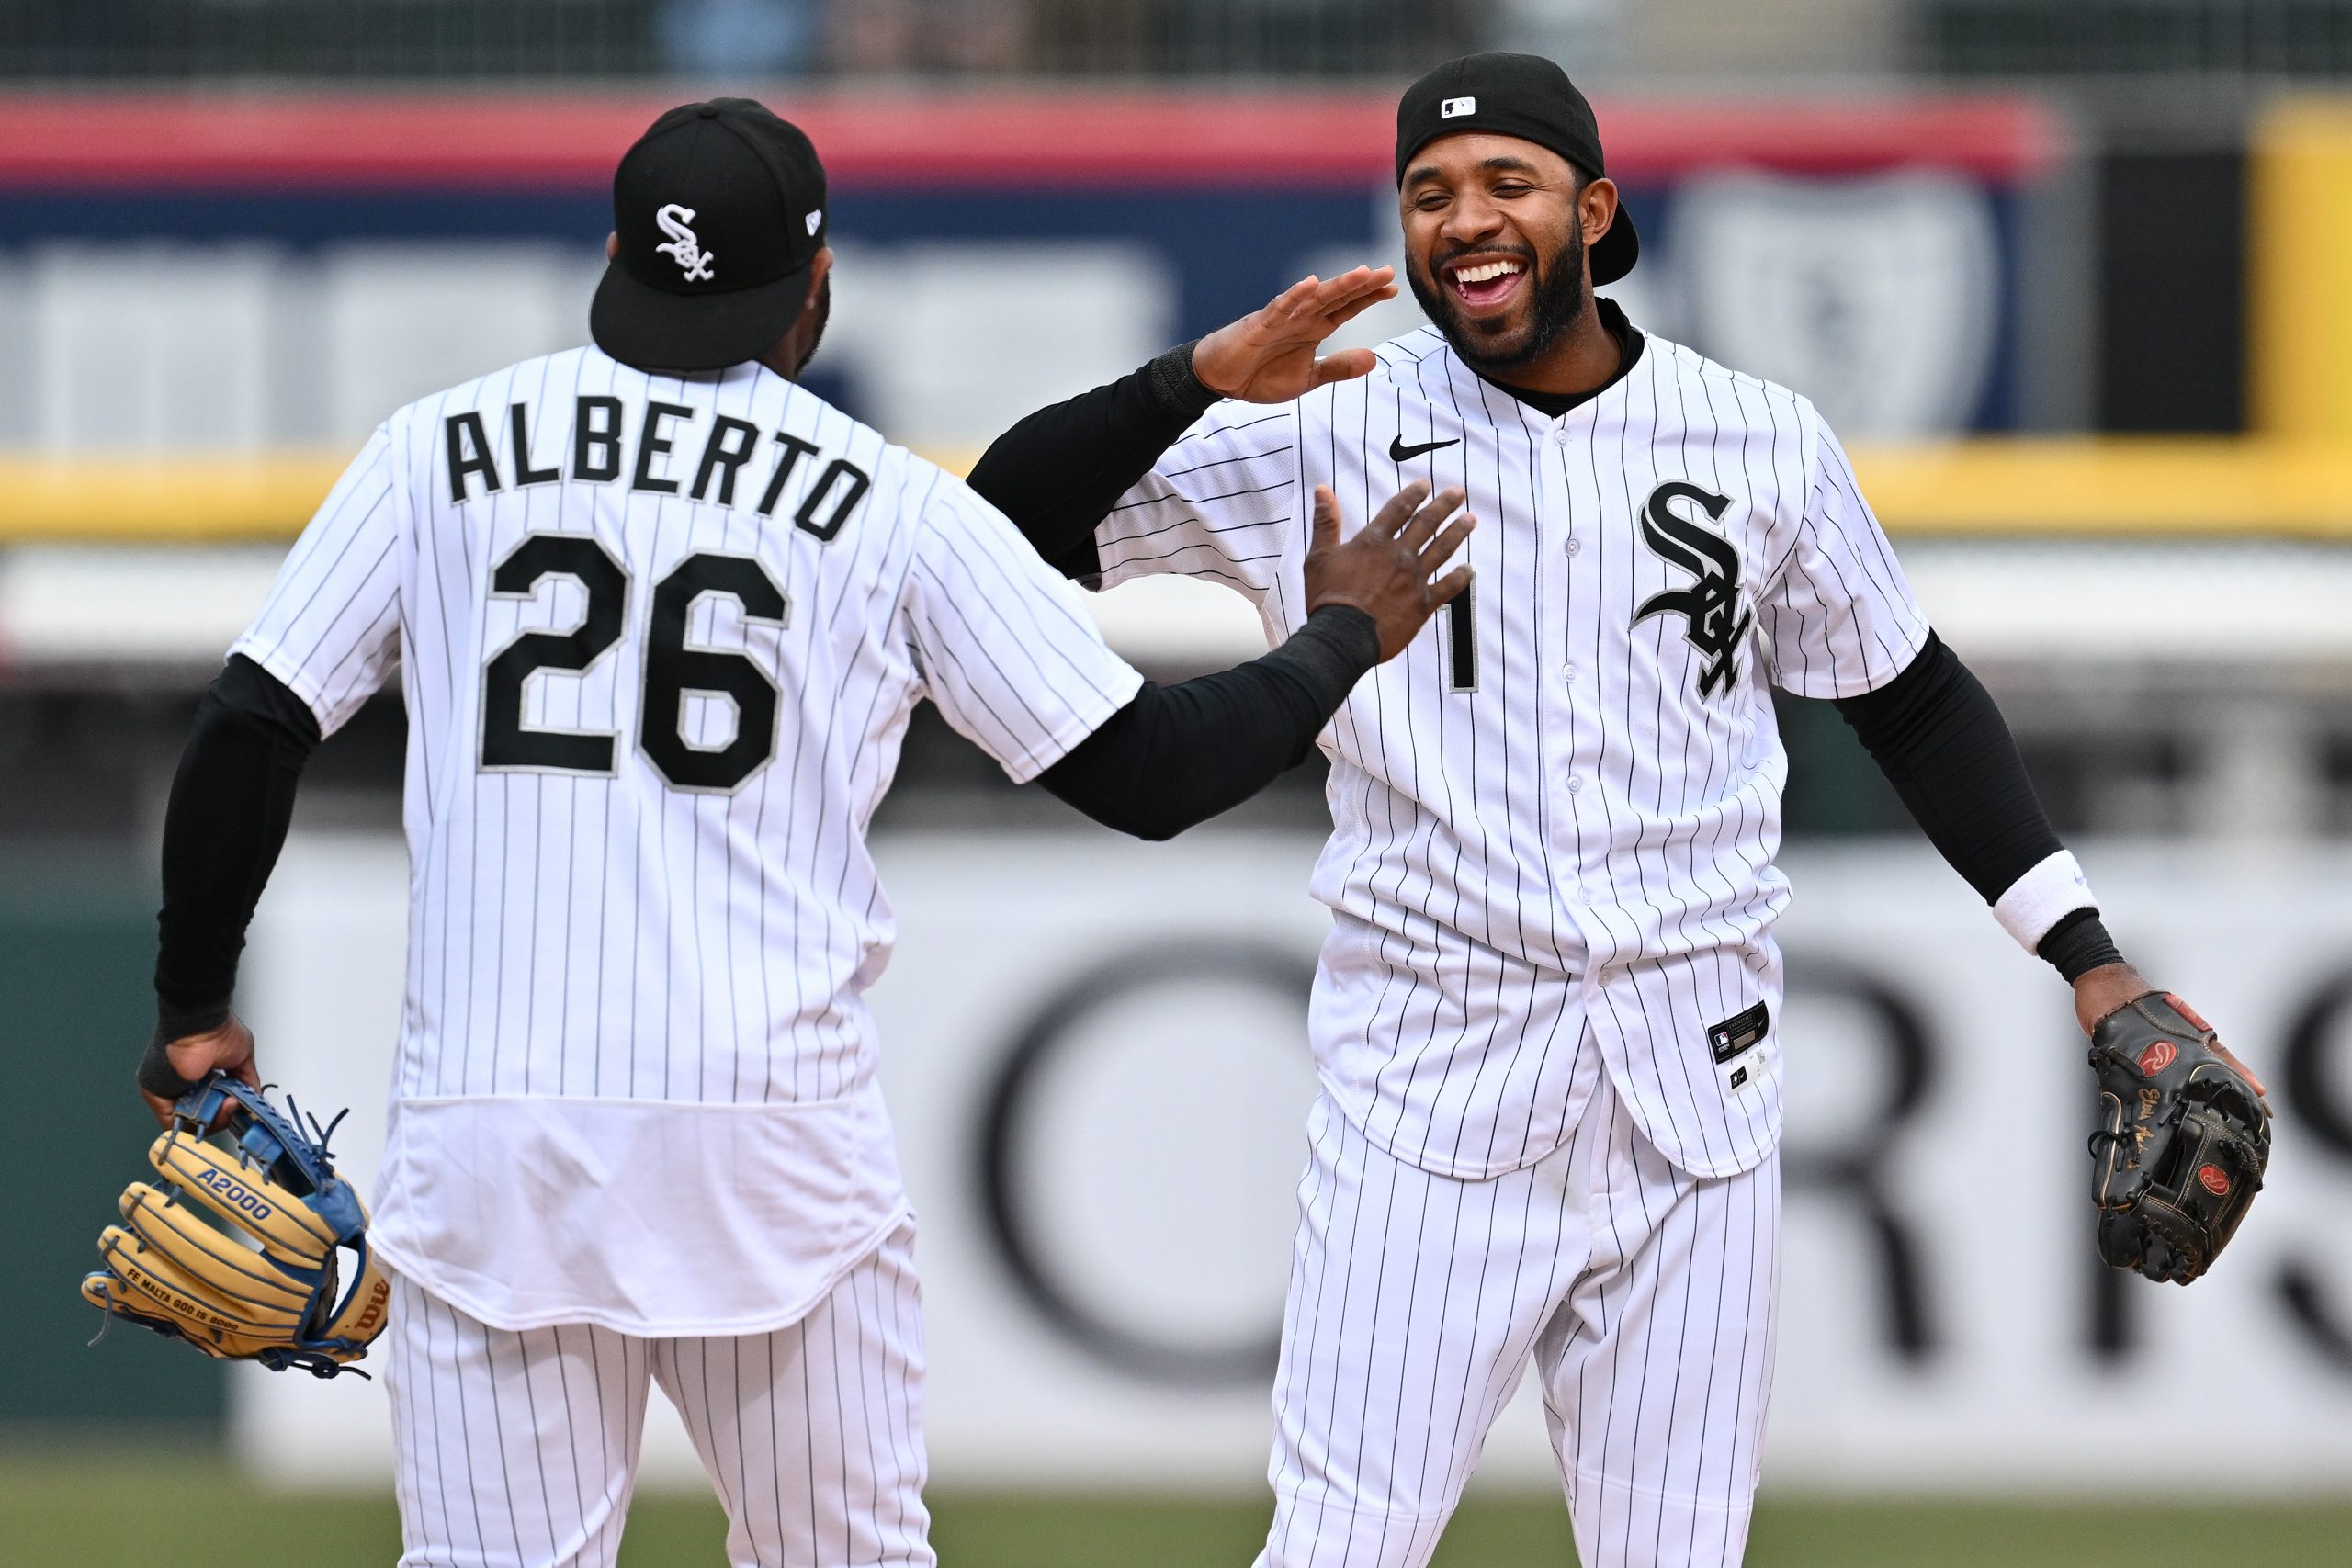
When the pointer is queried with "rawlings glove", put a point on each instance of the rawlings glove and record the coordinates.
(262, 1283)
(2183, 1142)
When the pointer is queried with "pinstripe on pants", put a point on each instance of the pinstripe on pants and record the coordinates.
(1643, 1294)
(519, 1450)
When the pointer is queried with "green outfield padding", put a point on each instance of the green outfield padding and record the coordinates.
(77, 954)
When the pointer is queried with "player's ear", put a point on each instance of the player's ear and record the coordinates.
(612, 243)
(820, 266)
(1596, 209)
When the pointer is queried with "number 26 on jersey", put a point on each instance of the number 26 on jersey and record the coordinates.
(672, 668)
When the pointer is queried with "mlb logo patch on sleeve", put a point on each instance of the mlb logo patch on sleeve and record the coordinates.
(1454, 108)
(1734, 1038)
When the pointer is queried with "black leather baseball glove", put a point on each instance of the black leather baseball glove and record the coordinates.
(2182, 1145)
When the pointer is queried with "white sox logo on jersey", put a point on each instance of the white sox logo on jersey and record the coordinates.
(682, 246)
(1711, 605)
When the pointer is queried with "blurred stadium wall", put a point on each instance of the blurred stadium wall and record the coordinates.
(2067, 273)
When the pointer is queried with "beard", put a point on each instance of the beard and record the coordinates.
(1556, 301)
(824, 314)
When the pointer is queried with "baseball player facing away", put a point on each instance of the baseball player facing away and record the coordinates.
(1546, 1018)
(662, 615)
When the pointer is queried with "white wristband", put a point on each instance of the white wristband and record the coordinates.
(2041, 898)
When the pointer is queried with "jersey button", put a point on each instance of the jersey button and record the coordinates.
(1575, 784)
(1576, 546)
(1560, 435)
(1568, 673)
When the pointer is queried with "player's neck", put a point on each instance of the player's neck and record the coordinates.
(790, 354)
(1584, 359)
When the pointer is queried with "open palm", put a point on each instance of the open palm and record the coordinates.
(1268, 356)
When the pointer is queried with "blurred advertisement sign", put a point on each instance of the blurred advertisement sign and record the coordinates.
(1878, 299)
(269, 271)
(1095, 1056)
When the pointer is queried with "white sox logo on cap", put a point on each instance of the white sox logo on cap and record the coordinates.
(1454, 108)
(683, 245)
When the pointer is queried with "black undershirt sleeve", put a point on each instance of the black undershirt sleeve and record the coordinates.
(230, 804)
(1177, 755)
(1936, 733)
(2079, 944)
(1058, 472)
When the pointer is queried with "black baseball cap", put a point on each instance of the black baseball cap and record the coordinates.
(1524, 96)
(721, 209)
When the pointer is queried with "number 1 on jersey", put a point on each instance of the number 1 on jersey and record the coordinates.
(1462, 642)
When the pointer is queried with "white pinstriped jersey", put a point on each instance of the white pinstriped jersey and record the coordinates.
(1557, 811)
(660, 638)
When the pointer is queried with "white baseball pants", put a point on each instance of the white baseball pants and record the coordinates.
(1644, 1295)
(519, 1450)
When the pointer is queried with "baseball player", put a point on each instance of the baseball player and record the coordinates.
(662, 615)
(1546, 1020)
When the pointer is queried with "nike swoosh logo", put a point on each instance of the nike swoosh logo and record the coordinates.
(1400, 452)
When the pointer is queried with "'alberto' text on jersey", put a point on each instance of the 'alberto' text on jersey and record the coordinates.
(656, 456)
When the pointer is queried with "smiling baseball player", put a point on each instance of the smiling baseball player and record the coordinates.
(662, 615)
(1546, 1018)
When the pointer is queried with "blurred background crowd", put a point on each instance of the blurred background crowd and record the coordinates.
(2081, 40)
(2068, 275)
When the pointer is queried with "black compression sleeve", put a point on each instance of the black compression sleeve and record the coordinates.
(1938, 736)
(2079, 944)
(1058, 472)
(1177, 755)
(232, 801)
(1935, 732)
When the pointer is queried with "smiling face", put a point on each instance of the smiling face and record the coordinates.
(1495, 236)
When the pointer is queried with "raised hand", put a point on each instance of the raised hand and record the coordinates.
(1383, 569)
(1268, 356)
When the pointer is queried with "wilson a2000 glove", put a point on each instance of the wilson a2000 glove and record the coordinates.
(301, 1291)
(2182, 1143)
